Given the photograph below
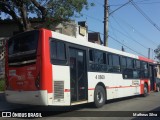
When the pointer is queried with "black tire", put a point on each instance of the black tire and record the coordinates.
(99, 97)
(145, 89)
(157, 88)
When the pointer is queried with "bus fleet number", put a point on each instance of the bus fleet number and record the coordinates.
(100, 77)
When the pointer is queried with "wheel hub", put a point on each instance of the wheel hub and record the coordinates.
(100, 97)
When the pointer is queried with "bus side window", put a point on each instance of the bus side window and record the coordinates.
(113, 63)
(91, 56)
(123, 62)
(61, 54)
(137, 69)
(99, 57)
(130, 63)
(57, 52)
(91, 60)
(53, 50)
(109, 62)
(129, 72)
(100, 60)
(116, 63)
(144, 70)
(97, 60)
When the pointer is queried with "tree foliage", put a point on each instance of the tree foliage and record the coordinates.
(157, 52)
(47, 11)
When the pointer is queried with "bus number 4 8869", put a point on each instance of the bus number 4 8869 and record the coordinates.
(100, 77)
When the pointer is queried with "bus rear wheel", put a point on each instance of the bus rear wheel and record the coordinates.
(99, 96)
(157, 88)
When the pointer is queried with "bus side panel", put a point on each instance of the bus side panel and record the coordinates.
(111, 82)
(116, 86)
(61, 80)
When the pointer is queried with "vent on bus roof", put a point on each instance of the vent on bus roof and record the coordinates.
(58, 90)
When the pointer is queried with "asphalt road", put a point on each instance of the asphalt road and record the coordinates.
(123, 109)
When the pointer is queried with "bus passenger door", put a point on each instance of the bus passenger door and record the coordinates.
(152, 76)
(78, 75)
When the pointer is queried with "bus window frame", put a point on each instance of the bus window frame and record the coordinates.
(56, 61)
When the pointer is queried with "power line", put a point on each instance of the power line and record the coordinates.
(126, 46)
(123, 33)
(138, 32)
(147, 2)
(131, 38)
(144, 1)
(113, 30)
(116, 36)
(120, 7)
(115, 5)
(147, 18)
(139, 2)
(99, 20)
(120, 43)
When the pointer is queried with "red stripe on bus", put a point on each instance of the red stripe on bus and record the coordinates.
(66, 90)
(91, 88)
(115, 87)
(121, 87)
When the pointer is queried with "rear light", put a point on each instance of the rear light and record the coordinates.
(37, 82)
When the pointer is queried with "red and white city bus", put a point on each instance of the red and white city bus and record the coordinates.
(48, 68)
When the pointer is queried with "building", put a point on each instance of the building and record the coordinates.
(95, 37)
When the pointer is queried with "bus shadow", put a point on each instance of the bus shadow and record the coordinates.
(71, 111)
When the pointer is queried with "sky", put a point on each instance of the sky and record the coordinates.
(127, 25)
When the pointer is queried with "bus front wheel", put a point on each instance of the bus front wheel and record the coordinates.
(99, 96)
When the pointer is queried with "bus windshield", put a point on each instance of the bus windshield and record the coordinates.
(23, 47)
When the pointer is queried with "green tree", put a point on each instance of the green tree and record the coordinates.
(46, 11)
(157, 52)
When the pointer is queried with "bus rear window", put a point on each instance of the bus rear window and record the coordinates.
(25, 42)
(22, 48)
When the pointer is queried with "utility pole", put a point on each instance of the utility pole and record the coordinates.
(105, 22)
(123, 49)
(149, 50)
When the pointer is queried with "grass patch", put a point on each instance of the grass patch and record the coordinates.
(2, 84)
